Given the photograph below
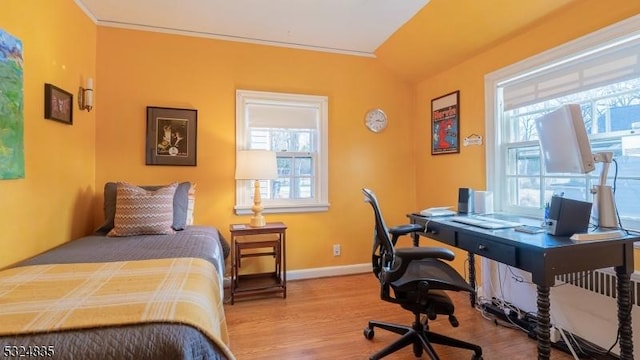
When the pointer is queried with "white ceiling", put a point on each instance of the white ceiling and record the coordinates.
(344, 26)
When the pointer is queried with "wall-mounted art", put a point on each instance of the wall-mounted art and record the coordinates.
(445, 124)
(11, 108)
(58, 104)
(171, 136)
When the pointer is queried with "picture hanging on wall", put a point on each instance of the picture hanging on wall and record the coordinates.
(11, 108)
(58, 104)
(171, 136)
(445, 124)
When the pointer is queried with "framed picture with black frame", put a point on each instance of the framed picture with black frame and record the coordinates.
(445, 124)
(171, 136)
(58, 104)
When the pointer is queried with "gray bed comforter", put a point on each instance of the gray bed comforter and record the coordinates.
(142, 341)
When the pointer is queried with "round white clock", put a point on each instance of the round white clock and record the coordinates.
(375, 120)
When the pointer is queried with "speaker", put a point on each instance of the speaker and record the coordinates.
(465, 200)
(482, 202)
(567, 216)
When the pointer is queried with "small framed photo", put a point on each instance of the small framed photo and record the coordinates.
(445, 124)
(171, 136)
(58, 104)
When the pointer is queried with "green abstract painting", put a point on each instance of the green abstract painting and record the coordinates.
(11, 108)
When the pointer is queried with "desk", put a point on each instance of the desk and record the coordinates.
(544, 256)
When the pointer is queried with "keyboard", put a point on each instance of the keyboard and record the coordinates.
(484, 222)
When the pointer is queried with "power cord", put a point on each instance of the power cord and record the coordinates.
(582, 347)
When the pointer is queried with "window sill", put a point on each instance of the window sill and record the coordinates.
(279, 209)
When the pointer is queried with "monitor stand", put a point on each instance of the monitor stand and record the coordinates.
(604, 205)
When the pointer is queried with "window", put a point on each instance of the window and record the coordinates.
(601, 72)
(295, 127)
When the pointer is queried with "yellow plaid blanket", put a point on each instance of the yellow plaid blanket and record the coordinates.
(43, 298)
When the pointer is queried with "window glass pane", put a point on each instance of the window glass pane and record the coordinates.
(525, 191)
(284, 166)
(628, 198)
(302, 141)
(303, 187)
(523, 161)
(259, 139)
(522, 126)
(278, 191)
(280, 139)
(569, 187)
(303, 166)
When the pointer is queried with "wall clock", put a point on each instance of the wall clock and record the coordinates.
(375, 120)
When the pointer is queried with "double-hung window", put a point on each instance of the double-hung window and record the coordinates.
(601, 72)
(295, 127)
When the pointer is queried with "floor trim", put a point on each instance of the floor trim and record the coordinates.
(320, 272)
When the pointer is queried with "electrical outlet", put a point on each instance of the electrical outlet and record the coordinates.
(336, 250)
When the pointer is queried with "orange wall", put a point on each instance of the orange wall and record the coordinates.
(66, 166)
(467, 169)
(53, 203)
(136, 69)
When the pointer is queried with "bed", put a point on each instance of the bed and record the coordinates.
(58, 316)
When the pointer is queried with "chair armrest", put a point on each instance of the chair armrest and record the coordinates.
(401, 230)
(424, 252)
(405, 229)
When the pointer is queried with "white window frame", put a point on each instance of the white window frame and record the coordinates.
(319, 201)
(495, 150)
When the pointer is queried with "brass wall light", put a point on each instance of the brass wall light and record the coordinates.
(85, 96)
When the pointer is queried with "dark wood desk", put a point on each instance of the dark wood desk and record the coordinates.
(544, 256)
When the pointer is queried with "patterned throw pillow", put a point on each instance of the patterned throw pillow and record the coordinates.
(180, 204)
(141, 212)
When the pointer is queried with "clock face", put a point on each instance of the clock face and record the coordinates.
(375, 120)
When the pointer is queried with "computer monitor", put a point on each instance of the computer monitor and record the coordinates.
(565, 148)
(564, 142)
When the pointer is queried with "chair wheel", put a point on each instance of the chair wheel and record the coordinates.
(476, 357)
(417, 350)
(368, 333)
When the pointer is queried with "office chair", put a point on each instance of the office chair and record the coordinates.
(418, 278)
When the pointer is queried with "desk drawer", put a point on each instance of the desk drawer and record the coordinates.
(505, 254)
(437, 232)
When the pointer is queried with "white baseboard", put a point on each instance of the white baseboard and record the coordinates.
(328, 271)
(320, 272)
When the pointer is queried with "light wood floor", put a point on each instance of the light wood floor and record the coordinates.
(325, 318)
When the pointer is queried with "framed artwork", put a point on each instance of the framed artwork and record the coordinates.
(11, 107)
(171, 136)
(58, 104)
(445, 124)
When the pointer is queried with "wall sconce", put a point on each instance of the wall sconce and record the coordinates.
(85, 96)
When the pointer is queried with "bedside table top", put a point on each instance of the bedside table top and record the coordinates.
(268, 228)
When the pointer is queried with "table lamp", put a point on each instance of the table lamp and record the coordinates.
(256, 165)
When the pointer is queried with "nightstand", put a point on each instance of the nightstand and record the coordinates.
(268, 240)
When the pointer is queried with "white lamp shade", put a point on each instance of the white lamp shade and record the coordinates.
(256, 165)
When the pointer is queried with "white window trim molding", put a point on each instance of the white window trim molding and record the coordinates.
(321, 203)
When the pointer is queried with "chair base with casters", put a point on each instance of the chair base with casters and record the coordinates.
(419, 335)
(415, 278)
